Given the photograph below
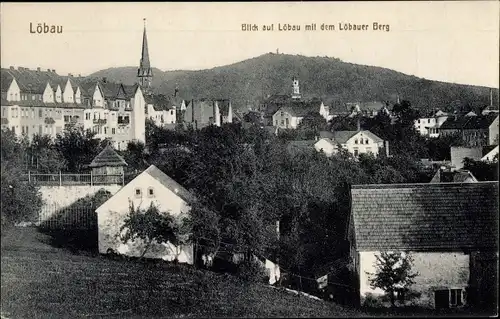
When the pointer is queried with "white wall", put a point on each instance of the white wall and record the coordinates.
(48, 94)
(64, 196)
(362, 148)
(138, 117)
(112, 214)
(436, 271)
(13, 93)
(58, 94)
(68, 94)
(326, 146)
(97, 98)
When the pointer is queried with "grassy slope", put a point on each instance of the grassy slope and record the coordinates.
(328, 78)
(41, 281)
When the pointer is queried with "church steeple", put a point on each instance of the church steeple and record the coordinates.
(144, 73)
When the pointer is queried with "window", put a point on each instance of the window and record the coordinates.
(281, 113)
(282, 122)
(456, 297)
(32, 113)
(105, 130)
(355, 141)
(366, 141)
(138, 192)
(87, 116)
(151, 192)
(369, 150)
(95, 116)
(113, 130)
(40, 113)
(448, 298)
(356, 151)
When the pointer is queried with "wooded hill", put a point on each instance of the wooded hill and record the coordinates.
(331, 79)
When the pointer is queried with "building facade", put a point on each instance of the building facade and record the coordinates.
(46, 103)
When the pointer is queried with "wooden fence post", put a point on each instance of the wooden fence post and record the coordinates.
(60, 178)
(29, 176)
(90, 178)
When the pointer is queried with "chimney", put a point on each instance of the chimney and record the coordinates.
(54, 71)
(48, 70)
(491, 97)
(104, 79)
(38, 69)
(12, 68)
(79, 75)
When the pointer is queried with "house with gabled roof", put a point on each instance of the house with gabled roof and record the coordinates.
(475, 130)
(354, 142)
(151, 187)
(290, 115)
(450, 230)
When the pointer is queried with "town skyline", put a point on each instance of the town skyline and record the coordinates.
(442, 49)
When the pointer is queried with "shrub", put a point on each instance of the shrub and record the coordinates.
(373, 301)
(252, 272)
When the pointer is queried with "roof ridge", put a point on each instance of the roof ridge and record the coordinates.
(402, 185)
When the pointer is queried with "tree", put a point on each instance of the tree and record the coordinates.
(78, 148)
(313, 121)
(21, 201)
(135, 156)
(151, 226)
(393, 274)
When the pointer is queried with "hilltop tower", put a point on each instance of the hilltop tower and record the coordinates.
(145, 73)
(296, 89)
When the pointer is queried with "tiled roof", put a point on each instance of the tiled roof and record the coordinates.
(342, 137)
(425, 217)
(469, 122)
(5, 80)
(326, 134)
(108, 157)
(480, 122)
(169, 183)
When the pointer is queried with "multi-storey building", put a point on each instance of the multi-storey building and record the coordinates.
(46, 103)
(429, 125)
(203, 112)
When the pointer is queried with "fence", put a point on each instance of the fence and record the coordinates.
(55, 217)
(61, 179)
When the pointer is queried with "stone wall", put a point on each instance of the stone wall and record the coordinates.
(64, 196)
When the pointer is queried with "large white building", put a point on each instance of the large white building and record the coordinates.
(429, 125)
(46, 103)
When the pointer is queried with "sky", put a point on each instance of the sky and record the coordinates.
(455, 41)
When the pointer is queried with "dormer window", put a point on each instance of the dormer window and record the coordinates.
(151, 192)
(138, 193)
